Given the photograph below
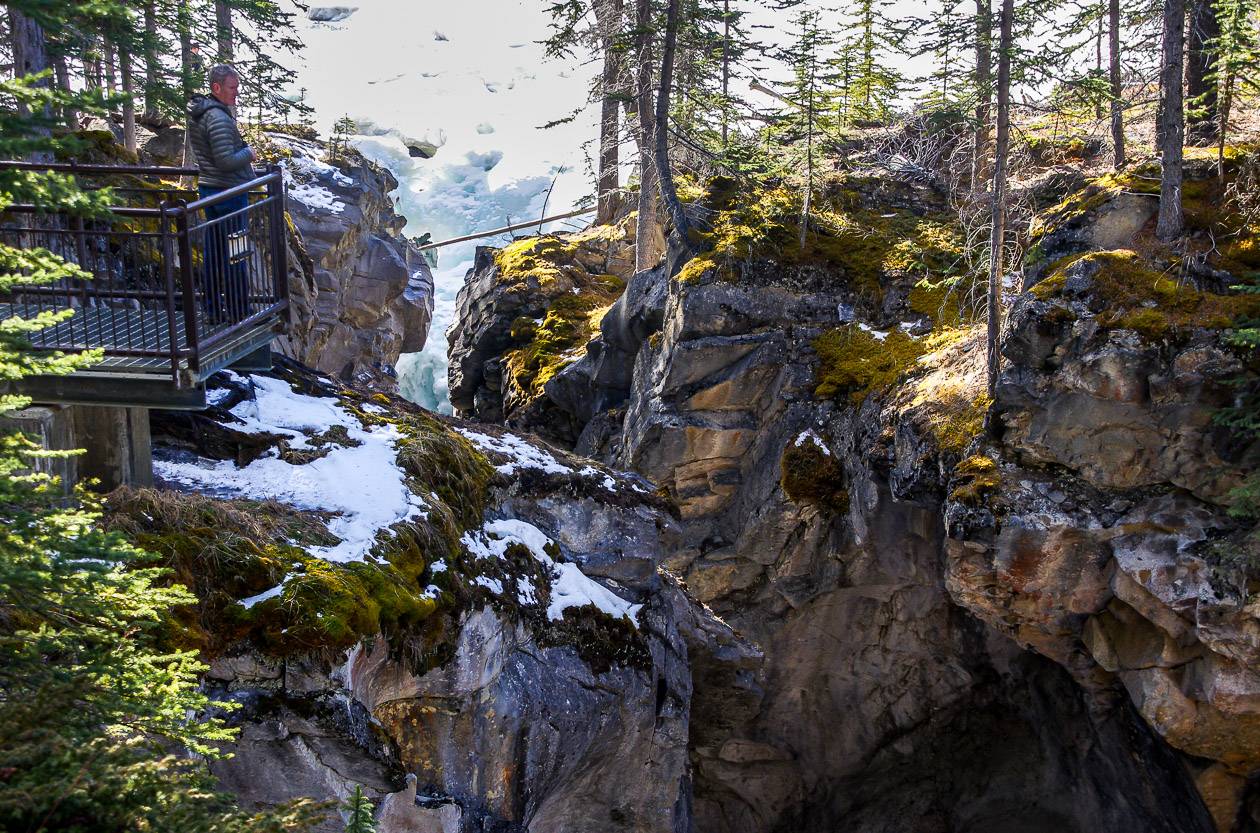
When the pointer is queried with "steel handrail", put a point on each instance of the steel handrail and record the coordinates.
(87, 168)
(234, 191)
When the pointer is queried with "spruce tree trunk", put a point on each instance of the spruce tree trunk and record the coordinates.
(111, 68)
(61, 72)
(608, 15)
(30, 56)
(152, 69)
(184, 24)
(223, 31)
(1200, 64)
(1117, 88)
(997, 239)
(129, 105)
(665, 177)
(646, 252)
(984, 82)
(1171, 122)
(726, 71)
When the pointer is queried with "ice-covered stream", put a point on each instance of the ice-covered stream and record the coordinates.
(471, 79)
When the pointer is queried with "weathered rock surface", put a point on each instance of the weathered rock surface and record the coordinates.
(940, 652)
(532, 302)
(497, 715)
(361, 292)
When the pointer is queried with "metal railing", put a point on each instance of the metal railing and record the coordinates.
(174, 279)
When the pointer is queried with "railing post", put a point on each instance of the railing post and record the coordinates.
(279, 239)
(187, 285)
(168, 274)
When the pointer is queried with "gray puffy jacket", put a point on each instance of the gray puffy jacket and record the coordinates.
(222, 156)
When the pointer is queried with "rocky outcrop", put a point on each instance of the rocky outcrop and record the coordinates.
(510, 657)
(362, 293)
(955, 628)
(527, 311)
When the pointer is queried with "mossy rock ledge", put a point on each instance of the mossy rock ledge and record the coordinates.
(494, 563)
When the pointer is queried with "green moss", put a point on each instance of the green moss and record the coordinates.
(939, 301)
(227, 550)
(447, 464)
(1132, 295)
(977, 478)
(957, 419)
(810, 475)
(867, 246)
(547, 346)
(533, 259)
(855, 362)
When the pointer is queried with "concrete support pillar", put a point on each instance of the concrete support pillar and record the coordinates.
(48, 427)
(117, 448)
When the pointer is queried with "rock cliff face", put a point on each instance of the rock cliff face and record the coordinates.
(504, 656)
(362, 293)
(1018, 630)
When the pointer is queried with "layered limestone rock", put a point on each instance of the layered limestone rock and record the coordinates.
(507, 656)
(362, 293)
(526, 311)
(958, 634)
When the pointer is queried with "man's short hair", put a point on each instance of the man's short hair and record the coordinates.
(221, 72)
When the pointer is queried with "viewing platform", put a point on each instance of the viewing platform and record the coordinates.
(178, 289)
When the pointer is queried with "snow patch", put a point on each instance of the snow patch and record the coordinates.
(362, 486)
(570, 587)
(809, 435)
(520, 454)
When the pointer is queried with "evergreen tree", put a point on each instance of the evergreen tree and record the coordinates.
(1235, 71)
(809, 115)
(102, 724)
(359, 812)
(876, 82)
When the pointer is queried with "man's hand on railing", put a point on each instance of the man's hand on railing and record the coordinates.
(253, 157)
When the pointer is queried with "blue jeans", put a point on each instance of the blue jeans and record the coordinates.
(226, 283)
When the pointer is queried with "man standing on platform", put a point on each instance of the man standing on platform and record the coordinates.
(223, 162)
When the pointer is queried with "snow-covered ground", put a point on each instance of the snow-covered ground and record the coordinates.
(470, 78)
(362, 484)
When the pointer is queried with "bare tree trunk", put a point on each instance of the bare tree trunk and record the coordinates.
(1117, 88)
(665, 177)
(111, 68)
(646, 250)
(726, 70)
(30, 56)
(184, 25)
(609, 124)
(1171, 122)
(61, 72)
(997, 239)
(984, 93)
(152, 69)
(223, 31)
(129, 104)
(1098, 50)
(1200, 64)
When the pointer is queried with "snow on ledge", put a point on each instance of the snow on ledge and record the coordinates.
(520, 454)
(362, 485)
(570, 587)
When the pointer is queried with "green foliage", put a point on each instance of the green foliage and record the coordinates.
(94, 701)
(358, 811)
(855, 362)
